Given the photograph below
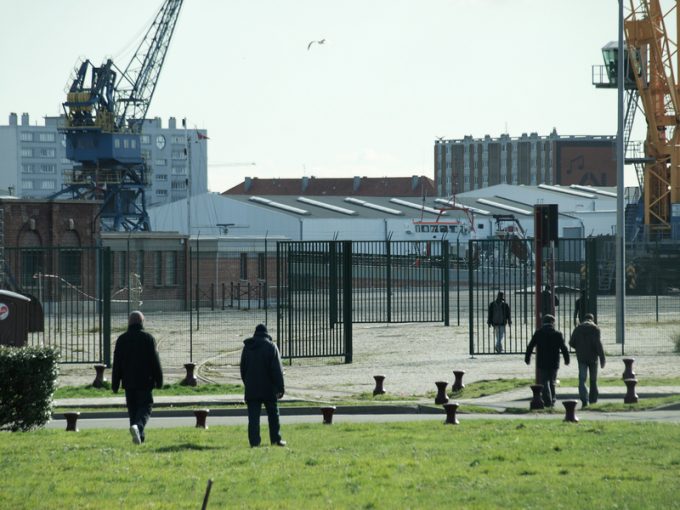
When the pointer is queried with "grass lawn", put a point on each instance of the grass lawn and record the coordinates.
(88, 391)
(519, 463)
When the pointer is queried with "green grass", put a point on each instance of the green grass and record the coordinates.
(167, 390)
(522, 463)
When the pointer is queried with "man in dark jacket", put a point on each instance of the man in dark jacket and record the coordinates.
(262, 375)
(585, 340)
(137, 365)
(548, 343)
(498, 317)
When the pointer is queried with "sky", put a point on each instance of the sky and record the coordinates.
(391, 77)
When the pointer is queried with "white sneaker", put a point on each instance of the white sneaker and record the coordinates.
(134, 432)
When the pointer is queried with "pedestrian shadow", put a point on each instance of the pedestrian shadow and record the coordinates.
(186, 446)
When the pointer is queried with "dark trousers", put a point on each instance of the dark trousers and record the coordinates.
(139, 404)
(547, 379)
(254, 409)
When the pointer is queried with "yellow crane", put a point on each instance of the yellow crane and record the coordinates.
(654, 60)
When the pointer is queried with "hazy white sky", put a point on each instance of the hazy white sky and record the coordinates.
(392, 76)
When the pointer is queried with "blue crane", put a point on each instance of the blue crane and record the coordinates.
(104, 111)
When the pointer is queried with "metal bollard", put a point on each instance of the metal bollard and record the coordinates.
(451, 408)
(537, 399)
(458, 383)
(99, 377)
(327, 413)
(201, 417)
(190, 379)
(71, 421)
(628, 372)
(379, 389)
(570, 410)
(631, 397)
(441, 397)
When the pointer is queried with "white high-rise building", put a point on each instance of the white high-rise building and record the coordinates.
(33, 160)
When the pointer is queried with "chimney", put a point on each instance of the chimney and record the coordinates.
(305, 184)
(415, 180)
(12, 119)
(247, 184)
(356, 183)
(172, 123)
(24, 119)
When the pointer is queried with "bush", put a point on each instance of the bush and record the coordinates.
(28, 378)
(675, 337)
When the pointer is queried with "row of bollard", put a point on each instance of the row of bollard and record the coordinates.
(441, 397)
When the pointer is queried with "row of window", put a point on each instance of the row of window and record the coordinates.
(40, 152)
(146, 139)
(43, 168)
(164, 269)
(40, 184)
(28, 136)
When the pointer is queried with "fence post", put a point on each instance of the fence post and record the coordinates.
(471, 314)
(347, 298)
(224, 291)
(231, 294)
(249, 296)
(388, 277)
(106, 304)
(333, 284)
(212, 296)
(445, 277)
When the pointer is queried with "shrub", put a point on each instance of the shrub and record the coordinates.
(675, 337)
(28, 378)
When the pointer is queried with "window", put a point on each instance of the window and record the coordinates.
(26, 136)
(70, 266)
(179, 184)
(32, 262)
(244, 266)
(179, 155)
(46, 137)
(116, 143)
(133, 144)
(48, 185)
(161, 177)
(48, 169)
(261, 266)
(145, 139)
(161, 192)
(27, 184)
(158, 268)
(161, 162)
(126, 143)
(178, 139)
(146, 153)
(179, 170)
(171, 268)
(27, 168)
(122, 269)
(26, 153)
(44, 152)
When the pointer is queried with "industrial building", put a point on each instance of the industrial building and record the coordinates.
(472, 163)
(34, 163)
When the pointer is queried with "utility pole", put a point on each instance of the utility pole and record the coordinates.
(620, 211)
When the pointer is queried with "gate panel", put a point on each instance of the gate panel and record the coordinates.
(311, 312)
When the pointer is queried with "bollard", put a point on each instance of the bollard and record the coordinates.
(628, 372)
(441, 397)
(201, 417)
(190, 379)
(631, 397)
(570, 410)
(99, 377)
(537, 400)
(379, 389)
(451, 408)
(71, 421)
(458, 383)
(328, 414)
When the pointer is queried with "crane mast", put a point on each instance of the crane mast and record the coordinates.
(654, 60)
(104, 114)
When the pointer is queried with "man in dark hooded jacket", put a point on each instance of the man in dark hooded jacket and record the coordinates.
(548, 342)
(262, 375)
(137, 365)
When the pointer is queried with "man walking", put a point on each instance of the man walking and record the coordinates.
(498, 317)
(262, 375)
(137, 365)
(586, 341)
(548, 343)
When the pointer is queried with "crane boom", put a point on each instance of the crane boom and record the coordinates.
(651, 53)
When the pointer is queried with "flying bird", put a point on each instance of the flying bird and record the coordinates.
(317, 42)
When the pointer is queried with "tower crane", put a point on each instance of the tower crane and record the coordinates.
(654, 61)
(104, 110)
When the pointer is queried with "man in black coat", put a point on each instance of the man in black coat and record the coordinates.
(548, 343)
(262, 375)
(137, 365)
(588, 346)
(498, 316)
